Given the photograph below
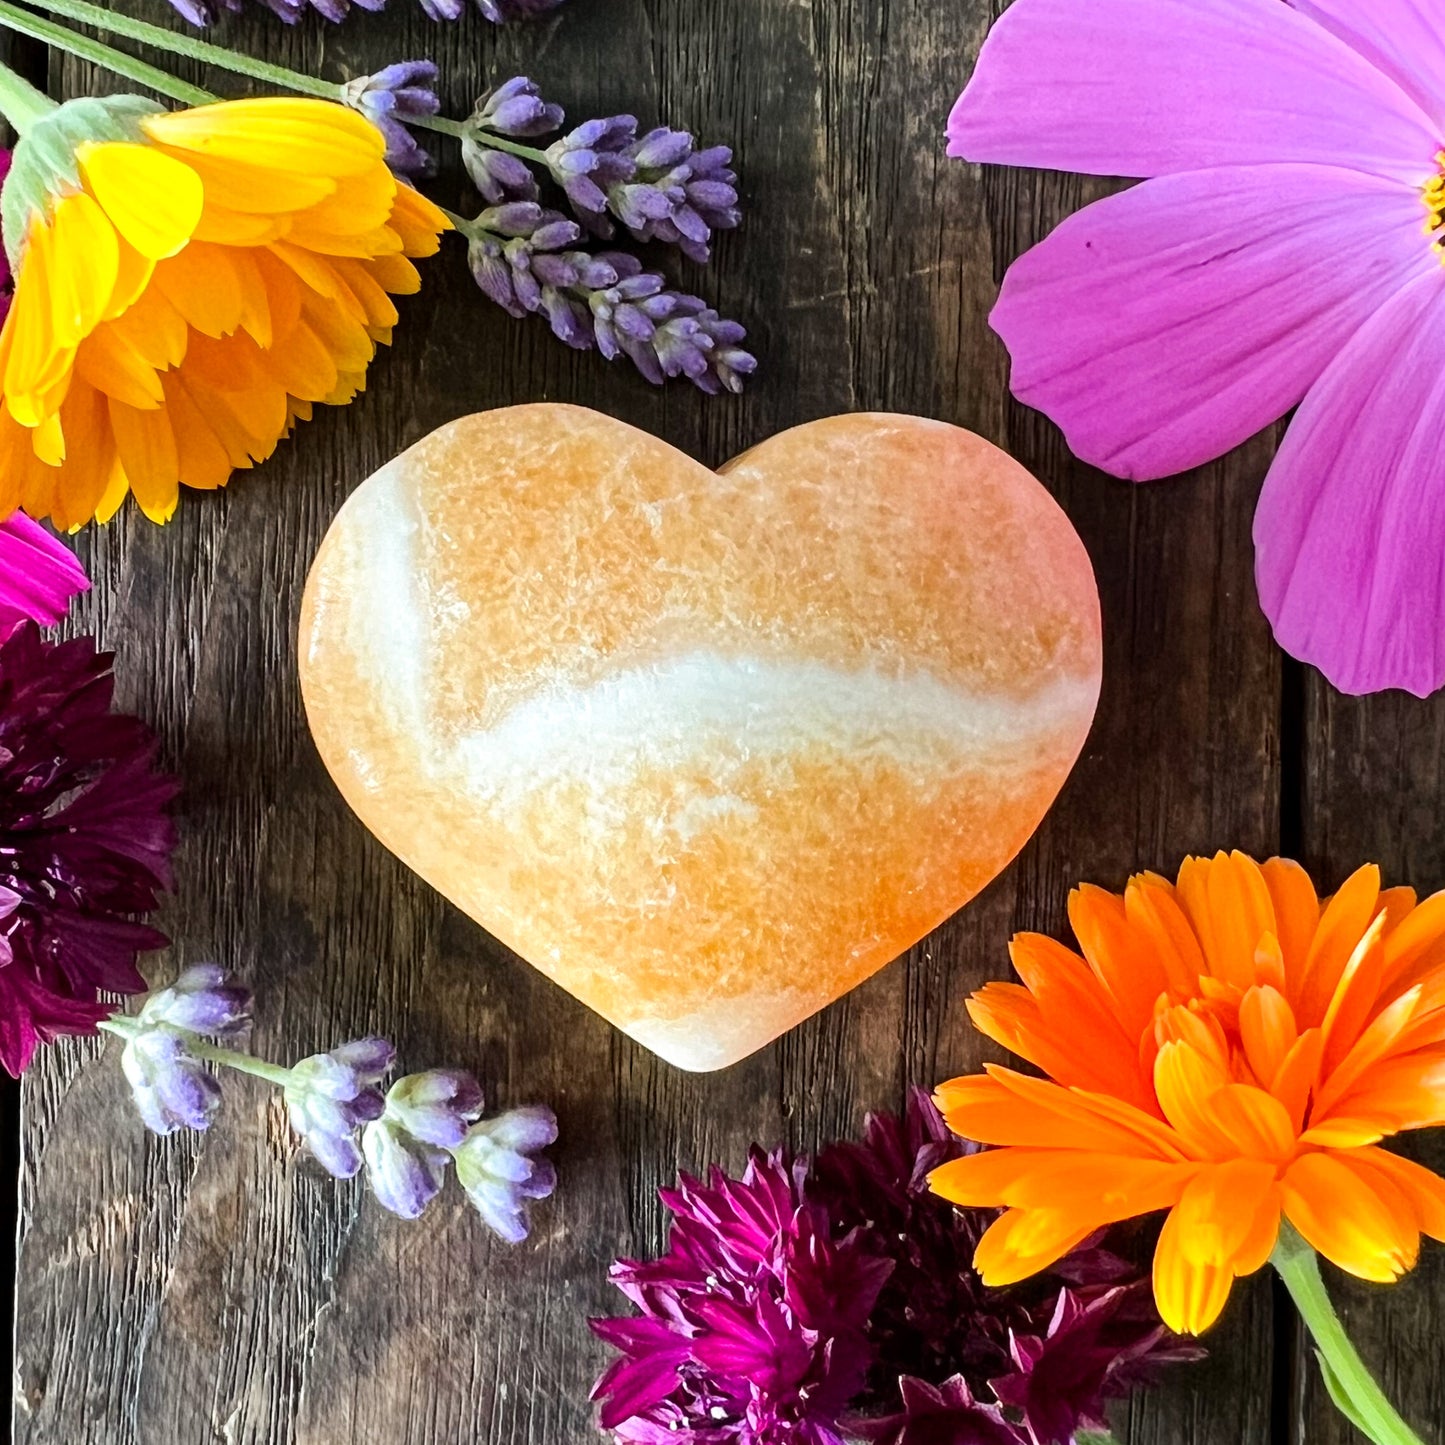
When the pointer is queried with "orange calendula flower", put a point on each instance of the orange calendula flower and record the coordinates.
(188, 284)
(1227, 1048)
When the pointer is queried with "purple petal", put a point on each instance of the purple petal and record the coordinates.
(1163, 326)
(1150, 87)
(1351, 524)
(1401, 37)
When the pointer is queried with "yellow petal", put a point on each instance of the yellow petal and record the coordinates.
(308, 137)
(147, 449)
(84, 268)
(152, 199)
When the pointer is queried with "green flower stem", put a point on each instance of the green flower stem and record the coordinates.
(188, 46)
(20, 103)
(12, 17)
(501, 143)
(125, 1027)
(1349, 1383)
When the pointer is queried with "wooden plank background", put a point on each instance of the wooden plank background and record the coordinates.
(180, 1292)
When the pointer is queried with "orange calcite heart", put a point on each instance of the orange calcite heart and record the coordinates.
(707, 748)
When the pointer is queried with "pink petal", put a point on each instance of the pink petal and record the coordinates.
(1350, 531)
(1163, 326)
(38, 574)
(1403, 38)
(1149, 87)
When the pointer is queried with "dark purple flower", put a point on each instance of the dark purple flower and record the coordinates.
(171, 1087)
(496, 1166)
(753, 1325)
(1051, 1349)
(945, 1414)
(85, 842)
(331, 1097)
(393, 96)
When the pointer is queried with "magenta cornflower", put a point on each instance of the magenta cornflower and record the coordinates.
(753, 1325)
(85, 842)
(1284, 250)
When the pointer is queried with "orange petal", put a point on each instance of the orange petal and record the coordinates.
(1399, 1093)
(1355, 994)
(1004, 1107)
(1424, 1189)
(1131, 974)
(1342, 925)
(1224, 1226)
(1416, 946)
(1153, 911)
(1359, 1228)
(1257, 1124)
(1380, 1039)
(1184, 1080)
(1101, 1188)
(1297, 1077)
(1296, 912)
(1267, 1031)
(1020, 1243)
(1230, 907)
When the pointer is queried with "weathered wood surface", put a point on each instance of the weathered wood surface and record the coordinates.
(171, 1293)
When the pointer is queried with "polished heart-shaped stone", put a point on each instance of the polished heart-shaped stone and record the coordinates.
(707, 748)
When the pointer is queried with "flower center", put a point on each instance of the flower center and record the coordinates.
(1435, 206)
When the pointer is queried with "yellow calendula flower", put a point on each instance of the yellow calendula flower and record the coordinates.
(188, 284)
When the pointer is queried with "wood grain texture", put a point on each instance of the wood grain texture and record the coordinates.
(173, 1293)
(1373, 771)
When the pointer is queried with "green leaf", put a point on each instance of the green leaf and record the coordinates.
(1344, 1402)
(1094, 1437)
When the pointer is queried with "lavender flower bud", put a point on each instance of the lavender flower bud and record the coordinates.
(498, 176)
(435, 1107)
(204, 1000)
(495, 1168)
(331, 1096)
(399, 93)
(443, 9)
(516, 109)
(171, 1088)
(405, 1174)
(594, 156)
(406, 1148)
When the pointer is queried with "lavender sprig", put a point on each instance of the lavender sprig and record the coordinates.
(660, 186)
(524, 258)
(405, 1139)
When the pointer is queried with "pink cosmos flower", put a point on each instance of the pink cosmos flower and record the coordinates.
(1284, 250)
